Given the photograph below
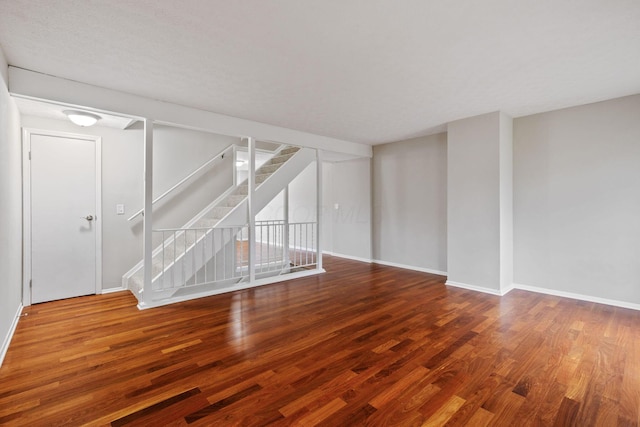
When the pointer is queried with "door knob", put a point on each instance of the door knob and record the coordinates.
(88, 217)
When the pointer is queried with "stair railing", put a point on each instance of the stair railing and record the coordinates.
(303, 251)
(198, 256)
(185, 179)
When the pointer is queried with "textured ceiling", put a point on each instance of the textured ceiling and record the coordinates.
(367, 71)
(30, 107)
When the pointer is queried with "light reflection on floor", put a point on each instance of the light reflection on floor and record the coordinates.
(268, 300)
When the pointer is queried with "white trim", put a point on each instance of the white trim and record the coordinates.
(147, 220)
(508, 289)
(354, 258)
(319, 217)
(113, 290)
(476, 288)
(26, 204)
(251, 208)
(579, 297)
(235, 166)
(410, 267)
(238, 287)
(9, 337)
(285, 231)
(26, 218)
(98, 220)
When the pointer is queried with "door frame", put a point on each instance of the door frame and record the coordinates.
(26, 204)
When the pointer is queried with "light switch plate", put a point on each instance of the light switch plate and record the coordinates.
(119, 209)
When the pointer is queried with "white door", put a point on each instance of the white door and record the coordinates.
(64, 211)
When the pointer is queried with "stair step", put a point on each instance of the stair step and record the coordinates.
(174, 251)
(221, 211)
(156, 269)
(178, 247)
(232, 200)
(262, 178)
(269, 168)
(289, 150)
(278, 159)
(242, 189)
(207, 222)
(135, 283)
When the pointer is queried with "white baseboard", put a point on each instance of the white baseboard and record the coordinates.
(354, 258)
(410, 267)
(507, 290)
(112, 290)
(563, 294)
(234, 288)
(580, 297)
(477, 288)
(12, 330)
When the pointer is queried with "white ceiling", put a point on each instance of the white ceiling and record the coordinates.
(367, 71)
(31, 107)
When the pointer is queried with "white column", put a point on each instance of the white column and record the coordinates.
(285, 237)
(479, 203)
(319, 209)
(147, 222)
(251, 180)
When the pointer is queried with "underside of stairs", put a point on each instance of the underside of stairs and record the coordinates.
(195, 245)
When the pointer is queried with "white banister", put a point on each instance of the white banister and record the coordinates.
(185, 179)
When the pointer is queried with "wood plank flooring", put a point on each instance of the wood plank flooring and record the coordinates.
(360, 345)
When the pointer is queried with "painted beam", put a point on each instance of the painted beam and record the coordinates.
(34, 85)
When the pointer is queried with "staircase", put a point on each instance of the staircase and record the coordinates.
(188, 250)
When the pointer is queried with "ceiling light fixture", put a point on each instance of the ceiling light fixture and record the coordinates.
(82, 118)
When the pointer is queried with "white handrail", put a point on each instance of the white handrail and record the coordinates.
(183, 180)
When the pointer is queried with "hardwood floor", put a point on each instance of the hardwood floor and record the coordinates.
(362, 344)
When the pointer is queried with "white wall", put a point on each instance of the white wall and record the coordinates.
(177, 152)
(274, 209)
(10, 212)
(303, 196)
(577, 200)
(350, 183)
(302, 199)
(347, 230)
(410, 203)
